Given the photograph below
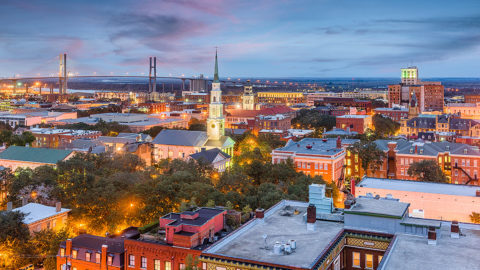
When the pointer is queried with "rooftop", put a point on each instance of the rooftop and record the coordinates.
(417, 186)
(354, 116)
(315, 146)
(94, 243)
(204, 215)
(181, 137)
(35, 212)
(413, 252)
(39, 155)
(382, 207)
(248, 242)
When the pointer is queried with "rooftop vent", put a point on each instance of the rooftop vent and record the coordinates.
(455, 230)
(309, 146)
(432, 236)
(324, 140)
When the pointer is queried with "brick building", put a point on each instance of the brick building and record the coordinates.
(361, 105)
(278, 122)
(395, 113)
(182, 234)
(472, 98)
(59, 138)
(357, 123)
(283, 98)
(458, 161)
(91, 252)
(440, 123)
(311, 156)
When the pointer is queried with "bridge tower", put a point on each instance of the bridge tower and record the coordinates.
(62, 74)
(152, 77)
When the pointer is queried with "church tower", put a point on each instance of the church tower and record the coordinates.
(248, 99)
(413, 107)
(215, 121)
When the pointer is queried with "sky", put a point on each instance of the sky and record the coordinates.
(262, 38)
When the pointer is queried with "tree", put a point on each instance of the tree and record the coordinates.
(385, 126)
(196, 124)
(308, 119)
(370, 155)
(45, 244)
(153, 131)
(191, 263)
(427, 171)
(12, 226)
(475, 217)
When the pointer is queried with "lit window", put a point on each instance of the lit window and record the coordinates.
(349, 171)
(369, 261)
(182, 266)
(97, 257)
(87, 256)
(356, 259)
(62, 252)
(131, 260)
(110, 260)
(380, 257)
(74, 254)
(204, 266)
(326, 167)
(168, 266)
(356, 168)
(349, 162)
(143, 262)
(156, 264)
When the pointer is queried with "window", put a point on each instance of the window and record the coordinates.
(131, 260)
(380, 257)
(182, 266)
(168, 266)
(109, 259)
(62, 252)
(356, 168)
(97, 257)
(87, 256)
(143, 262)
(401, 171)
(204, 266)
(369, 261)
(316, 166)
(74, 254)
(349, 171)
(321, 166)
(349, 162)
(156, 264)
(326, 167)
(355, 259)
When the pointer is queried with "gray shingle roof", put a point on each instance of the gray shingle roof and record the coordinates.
(181, 137)
(209, 155)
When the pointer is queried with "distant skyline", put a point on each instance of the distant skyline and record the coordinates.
(263, 38)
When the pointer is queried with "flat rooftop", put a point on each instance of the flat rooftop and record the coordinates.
(35, 212)
(413, 252)
(416, 186)
(384, 207)
(248, 243)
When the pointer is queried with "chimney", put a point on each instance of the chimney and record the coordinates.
(103, 262)
(432, 236)
(58, 207)
(477, 193)
(24, 200)
(339, 142)
(455, 230)
(68, 249)
(259, 213)
(10, 206)
(311, 217)
(416, 149)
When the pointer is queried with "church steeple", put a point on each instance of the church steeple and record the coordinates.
(215, 76)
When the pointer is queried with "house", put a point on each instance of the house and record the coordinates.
(19, 156)
(215, 157)
(42, 217)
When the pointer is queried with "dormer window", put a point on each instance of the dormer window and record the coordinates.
(465, 151)
(411, 150)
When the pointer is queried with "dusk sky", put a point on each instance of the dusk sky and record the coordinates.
(329, 38)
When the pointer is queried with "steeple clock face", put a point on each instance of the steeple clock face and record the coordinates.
(213, 125)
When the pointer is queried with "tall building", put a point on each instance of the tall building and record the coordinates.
(215, 121)
(248, 98)
(410, 75)
(429, 95)
(198, 85)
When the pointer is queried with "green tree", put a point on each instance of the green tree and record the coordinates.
(427, 171)
(191, 263)
(196, 124)
(12, 226)
(45, 244)
(385, 126)
(308, 119)
(370, 155)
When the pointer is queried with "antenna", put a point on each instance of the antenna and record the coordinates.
(265, 240)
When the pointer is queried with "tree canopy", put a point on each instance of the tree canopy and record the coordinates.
(313, 119)
(370, 155)
(107, 128)
(384, 126)
(9, 138)
(427, 171)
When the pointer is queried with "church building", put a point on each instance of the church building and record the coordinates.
(172, 144)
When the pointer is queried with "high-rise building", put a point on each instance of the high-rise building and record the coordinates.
(248, 98)
(429, 95)
(198, 84)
